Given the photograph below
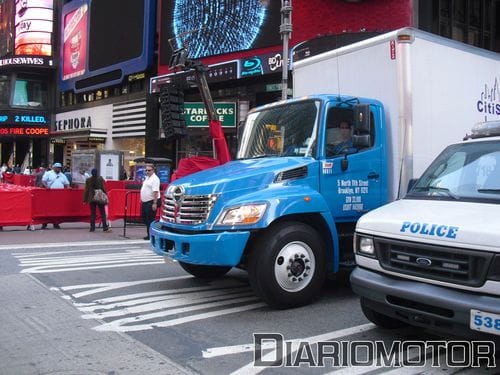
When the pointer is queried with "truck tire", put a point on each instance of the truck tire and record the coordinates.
(287, 265)
(383, 321)
(205, 272)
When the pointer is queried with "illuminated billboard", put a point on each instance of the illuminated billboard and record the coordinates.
(74, 43)
(219, 26)
(96, 52)
(34, 27)
(6, 27)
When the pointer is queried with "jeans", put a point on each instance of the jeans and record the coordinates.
(103, 215)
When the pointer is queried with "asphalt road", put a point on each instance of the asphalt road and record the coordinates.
(116, 308)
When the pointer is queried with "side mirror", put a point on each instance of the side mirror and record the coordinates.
(361, 141)
(362, 119)
(411, 183)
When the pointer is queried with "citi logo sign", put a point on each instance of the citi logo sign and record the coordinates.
(489, 103)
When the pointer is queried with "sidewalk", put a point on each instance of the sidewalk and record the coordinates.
(69, 232)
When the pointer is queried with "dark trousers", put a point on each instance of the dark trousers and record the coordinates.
(103, 215)
(148, 214)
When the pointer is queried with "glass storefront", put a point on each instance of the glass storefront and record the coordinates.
(133, 147)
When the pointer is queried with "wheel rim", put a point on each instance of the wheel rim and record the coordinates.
(294, 266)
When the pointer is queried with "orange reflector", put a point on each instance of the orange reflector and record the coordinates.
(404, 38)
(307, 199)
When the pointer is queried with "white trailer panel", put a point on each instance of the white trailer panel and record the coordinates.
(429, 87)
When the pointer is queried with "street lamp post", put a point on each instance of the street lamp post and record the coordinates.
(286, 32)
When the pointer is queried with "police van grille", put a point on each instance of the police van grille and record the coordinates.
(447, 264)
(193, 209)
(291, 174)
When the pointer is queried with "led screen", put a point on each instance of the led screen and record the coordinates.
(75, 43)
(214, 27)
(34, 27)
(6, 27)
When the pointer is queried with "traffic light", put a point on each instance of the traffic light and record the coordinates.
(172, 111)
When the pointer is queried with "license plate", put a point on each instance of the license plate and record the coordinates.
(485, 321)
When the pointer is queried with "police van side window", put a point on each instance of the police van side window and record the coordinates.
(340, 131)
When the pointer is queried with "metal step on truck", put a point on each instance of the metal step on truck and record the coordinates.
(432, 259)
(308, 168)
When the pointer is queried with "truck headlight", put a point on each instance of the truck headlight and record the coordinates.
(365, 246)
(242, 215)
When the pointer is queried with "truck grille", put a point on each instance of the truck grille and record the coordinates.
(191, 209)
(448, 264)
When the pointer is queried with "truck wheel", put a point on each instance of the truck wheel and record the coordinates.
(205, 272)
(379, 319)
(287, 265)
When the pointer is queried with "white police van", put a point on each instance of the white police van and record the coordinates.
(432, 259)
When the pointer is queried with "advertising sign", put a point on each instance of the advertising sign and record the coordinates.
(75, 43)
(6, 27)
(110, 166)
(19, 123)
(196, 115)
(34, 22)
(163, 172)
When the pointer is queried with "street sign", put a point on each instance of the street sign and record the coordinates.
(196, 115)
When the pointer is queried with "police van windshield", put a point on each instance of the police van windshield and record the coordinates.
(284, 130)
(466, 172)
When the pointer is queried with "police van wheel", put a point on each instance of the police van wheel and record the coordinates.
(205, 272)
(287, 265)
(383, 321)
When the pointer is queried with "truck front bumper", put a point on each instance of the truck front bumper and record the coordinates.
(423, 305)
(210, 249)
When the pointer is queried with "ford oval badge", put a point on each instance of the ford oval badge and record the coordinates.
(424, 262)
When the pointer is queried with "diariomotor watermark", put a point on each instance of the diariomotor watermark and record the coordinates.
(295, 353)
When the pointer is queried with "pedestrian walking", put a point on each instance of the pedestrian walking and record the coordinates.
(95, 195)
(55, 179)
(150, 194)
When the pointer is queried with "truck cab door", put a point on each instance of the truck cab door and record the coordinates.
(352, 179)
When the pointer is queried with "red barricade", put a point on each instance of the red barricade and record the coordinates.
(22, 205)
(15, 205)
(59, 206)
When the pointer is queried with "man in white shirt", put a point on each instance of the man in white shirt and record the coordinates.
(54, 179)
(150, 194)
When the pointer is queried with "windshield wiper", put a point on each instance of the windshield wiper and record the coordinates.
(259, 156)
(491, 191)
(440, 189)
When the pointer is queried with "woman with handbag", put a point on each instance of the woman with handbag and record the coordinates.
(95, 195)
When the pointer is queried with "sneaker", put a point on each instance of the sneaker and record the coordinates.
(146, 238)
(44, 226)
(92, 230)
(56, 226)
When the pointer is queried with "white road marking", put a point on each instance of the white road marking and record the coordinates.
(73, 251)
(72, 244)
(221, 284)
(120, 325)
(127, 258)
(181, 298)
(106, 287)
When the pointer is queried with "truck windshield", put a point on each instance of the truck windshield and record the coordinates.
(286, 130)
(466, 172)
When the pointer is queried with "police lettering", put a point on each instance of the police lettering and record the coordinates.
(429, 229)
